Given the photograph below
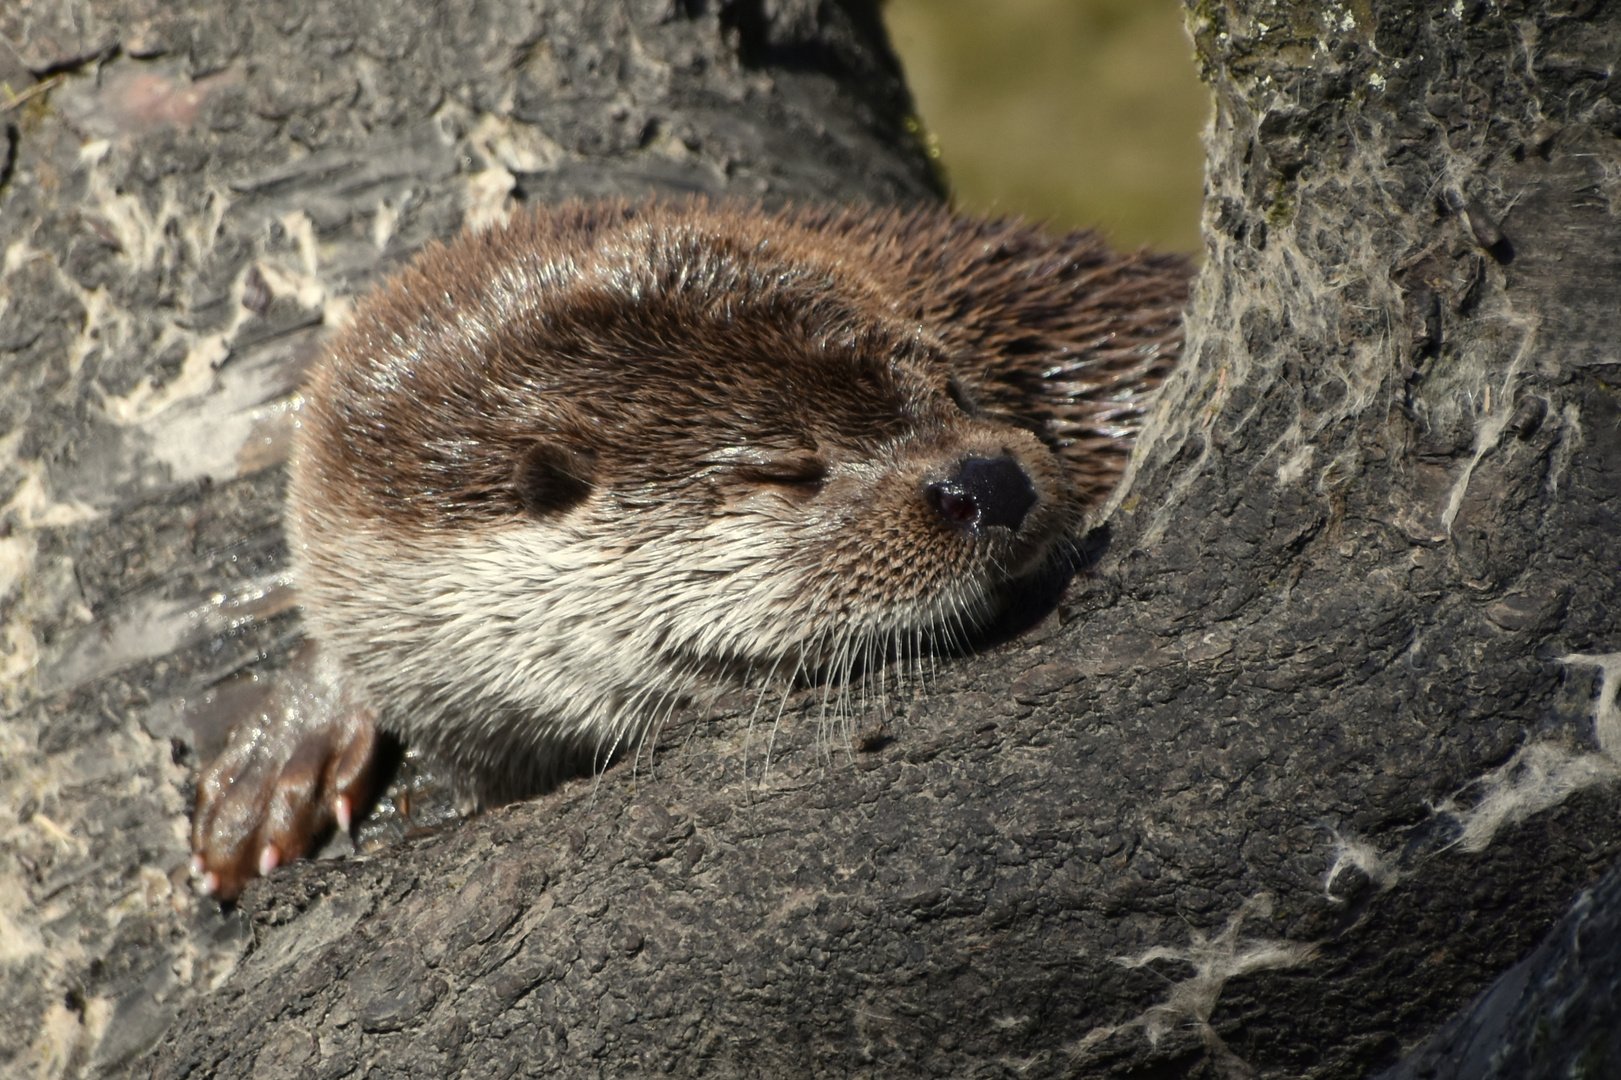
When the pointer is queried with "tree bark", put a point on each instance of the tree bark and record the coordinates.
(1325, 741)
(1555, 1014)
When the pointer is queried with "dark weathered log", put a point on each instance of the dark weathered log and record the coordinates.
(1320, 748)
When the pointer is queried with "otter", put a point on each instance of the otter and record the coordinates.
(555, 478)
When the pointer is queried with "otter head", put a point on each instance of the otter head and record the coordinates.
(573, 481)
(797, 459)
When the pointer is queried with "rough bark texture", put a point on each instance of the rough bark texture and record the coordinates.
(187, 192)
(1326, 742)
(1555, 1015)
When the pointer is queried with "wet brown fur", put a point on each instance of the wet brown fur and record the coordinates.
(555, 478)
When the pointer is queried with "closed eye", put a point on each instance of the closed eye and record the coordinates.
(799, 469)
(806, 475)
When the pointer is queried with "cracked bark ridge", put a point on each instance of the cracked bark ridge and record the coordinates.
(1320, 748)
(188, 194)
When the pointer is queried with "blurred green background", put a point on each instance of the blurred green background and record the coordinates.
(1076, 112)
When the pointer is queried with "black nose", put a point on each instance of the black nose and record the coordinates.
(994, 492)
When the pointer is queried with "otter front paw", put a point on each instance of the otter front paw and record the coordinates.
(284, 779)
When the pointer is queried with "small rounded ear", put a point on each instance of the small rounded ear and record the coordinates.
(551, 479)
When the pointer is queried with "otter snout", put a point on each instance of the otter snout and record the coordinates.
(984, 493)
